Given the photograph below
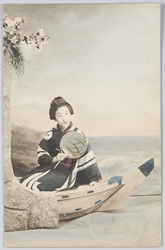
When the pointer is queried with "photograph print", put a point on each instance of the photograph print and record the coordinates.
(82, 125)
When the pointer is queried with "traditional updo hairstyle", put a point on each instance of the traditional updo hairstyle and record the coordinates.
(57, 103)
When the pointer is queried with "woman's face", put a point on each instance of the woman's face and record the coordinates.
(63, 117)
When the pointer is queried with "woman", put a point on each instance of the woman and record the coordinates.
(49, 176)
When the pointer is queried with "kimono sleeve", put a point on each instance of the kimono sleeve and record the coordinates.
(44, 157)
(87, 169)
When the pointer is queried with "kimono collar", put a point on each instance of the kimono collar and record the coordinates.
(70, 125)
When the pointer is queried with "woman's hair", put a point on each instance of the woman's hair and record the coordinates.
(57, 103)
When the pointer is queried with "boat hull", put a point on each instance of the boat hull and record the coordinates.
(75, 204)
(108, 194)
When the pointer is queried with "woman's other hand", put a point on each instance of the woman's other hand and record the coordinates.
(59, 157)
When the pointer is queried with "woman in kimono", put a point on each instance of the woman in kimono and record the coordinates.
(69, 172)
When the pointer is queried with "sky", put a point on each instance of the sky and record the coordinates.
(104, 59)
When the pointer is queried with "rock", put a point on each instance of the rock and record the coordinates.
(15, 220)
(25, 209)
(17, 196)
(43, 212)
(24, 143)
(7, 74)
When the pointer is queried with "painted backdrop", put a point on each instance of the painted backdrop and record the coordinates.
(103, 58)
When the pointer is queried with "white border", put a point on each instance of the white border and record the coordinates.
(162, 2)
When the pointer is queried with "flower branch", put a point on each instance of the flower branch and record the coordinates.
(13, 39)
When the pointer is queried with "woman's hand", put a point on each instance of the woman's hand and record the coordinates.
(59, 157)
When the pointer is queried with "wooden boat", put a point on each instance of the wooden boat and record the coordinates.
(106, 195)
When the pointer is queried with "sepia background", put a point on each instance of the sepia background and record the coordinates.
(104, 59)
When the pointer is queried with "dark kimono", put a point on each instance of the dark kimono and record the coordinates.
(69, 172)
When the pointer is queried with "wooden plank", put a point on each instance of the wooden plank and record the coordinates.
(131, 180)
